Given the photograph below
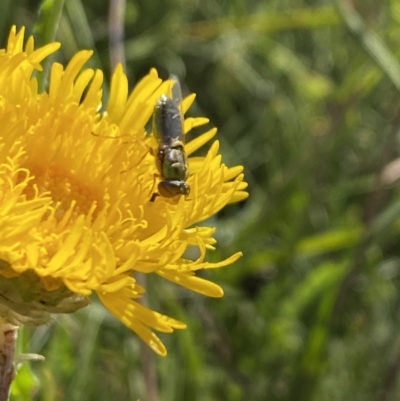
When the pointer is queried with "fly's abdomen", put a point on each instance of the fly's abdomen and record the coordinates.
(167, 121)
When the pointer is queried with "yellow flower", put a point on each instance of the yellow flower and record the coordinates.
(75, 185)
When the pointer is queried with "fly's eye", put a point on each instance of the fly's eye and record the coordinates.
(171, 188)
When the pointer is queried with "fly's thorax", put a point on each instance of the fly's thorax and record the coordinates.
(174, 164)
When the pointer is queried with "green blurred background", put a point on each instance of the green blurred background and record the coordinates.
(306, 95)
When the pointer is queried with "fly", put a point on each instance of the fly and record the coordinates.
(171, 158)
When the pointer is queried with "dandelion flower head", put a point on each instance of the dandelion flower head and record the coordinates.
(75, 184)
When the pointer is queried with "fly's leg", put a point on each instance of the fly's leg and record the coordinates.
(154, 194)
(148, 149)
(130, 168)
(143, 144)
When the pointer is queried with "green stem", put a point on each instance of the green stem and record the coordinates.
(45, 30)
(8, 340)
(371, 42)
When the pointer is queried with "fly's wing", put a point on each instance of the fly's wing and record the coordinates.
(168, 117)
(176, 93)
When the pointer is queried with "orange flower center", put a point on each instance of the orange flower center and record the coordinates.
(65, 187)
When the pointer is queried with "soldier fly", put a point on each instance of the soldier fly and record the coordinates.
(171, 159)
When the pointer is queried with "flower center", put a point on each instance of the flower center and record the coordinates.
(65, 187)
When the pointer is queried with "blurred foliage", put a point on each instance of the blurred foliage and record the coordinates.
(305, 94)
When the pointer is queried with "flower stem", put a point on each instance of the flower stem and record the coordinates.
(8, 339)
(116, 32)
(45, 31)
